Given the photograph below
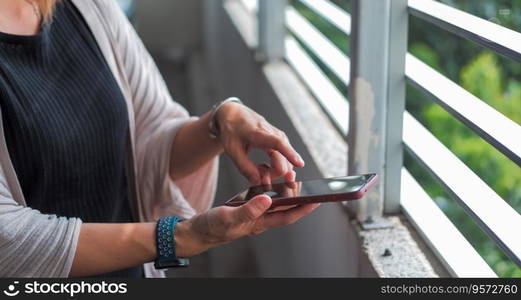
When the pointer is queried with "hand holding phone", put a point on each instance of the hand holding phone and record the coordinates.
(313, 191)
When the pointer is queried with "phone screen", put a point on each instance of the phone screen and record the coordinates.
(327, 186)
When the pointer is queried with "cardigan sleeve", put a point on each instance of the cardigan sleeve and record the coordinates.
(157, 120)
(33, 244)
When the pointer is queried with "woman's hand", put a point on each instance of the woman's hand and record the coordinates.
(241, 130)
(225, 224)
(104, 248)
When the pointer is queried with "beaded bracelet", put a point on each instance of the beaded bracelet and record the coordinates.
(165, 244)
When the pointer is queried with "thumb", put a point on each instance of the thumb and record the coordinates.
(253, 209)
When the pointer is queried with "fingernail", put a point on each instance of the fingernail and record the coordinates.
(300, 160)
(263, 204)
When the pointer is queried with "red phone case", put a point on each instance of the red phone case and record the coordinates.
(288, 201)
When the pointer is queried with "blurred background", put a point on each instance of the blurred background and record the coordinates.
(195, 46)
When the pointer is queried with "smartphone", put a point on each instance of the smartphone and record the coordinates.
(311, 191)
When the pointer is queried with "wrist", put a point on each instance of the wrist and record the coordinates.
(225, 113)
(188, 242)
(144, 238)
(150, 243)
(220, 114)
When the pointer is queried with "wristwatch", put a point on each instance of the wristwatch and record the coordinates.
(165, 244)
(214, 129)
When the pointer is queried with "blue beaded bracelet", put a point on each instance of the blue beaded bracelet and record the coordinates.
(165, 244)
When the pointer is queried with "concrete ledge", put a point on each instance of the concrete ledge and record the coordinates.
(394, 253)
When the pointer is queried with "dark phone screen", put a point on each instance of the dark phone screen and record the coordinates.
(337, 185)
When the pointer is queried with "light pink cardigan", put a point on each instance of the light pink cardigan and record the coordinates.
(37, 245)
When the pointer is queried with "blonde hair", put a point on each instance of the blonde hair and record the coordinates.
(46, 8)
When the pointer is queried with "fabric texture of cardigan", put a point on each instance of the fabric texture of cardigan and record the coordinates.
(33, 244)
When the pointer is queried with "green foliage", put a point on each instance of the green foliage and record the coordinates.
(426, 54)
(482, 77)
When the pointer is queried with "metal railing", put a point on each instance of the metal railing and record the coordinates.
(378, 128)
(488, 209)
(333, 102)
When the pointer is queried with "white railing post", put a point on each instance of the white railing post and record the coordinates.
(377, 98)
(272, 29)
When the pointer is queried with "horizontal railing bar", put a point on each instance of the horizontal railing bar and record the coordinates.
(439, 232)
(496, 217)
(498, 130)
(331, 100)
(323, 48)
(485, 33)
(251, 5)
(332, 13)
(244, 22)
